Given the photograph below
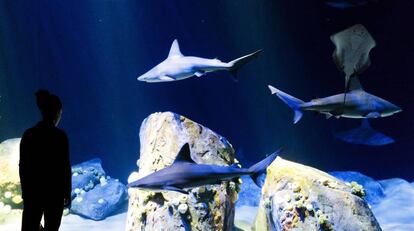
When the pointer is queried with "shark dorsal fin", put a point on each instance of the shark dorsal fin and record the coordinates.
(355, 84)
(184, 155)
(175, 50)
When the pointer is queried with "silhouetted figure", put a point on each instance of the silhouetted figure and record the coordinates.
(45, 171)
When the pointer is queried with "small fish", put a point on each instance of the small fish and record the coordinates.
(179, 67)
(359, 104)
(364, 135)
(184, 173)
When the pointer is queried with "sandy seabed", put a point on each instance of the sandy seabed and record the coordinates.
(77, 223)
(394, 213)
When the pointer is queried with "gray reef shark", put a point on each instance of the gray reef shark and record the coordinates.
(359, 104)
(364, 135)
(184, 173)
(352, 48)
(179, 67)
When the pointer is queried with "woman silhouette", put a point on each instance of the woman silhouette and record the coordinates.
(45, 172)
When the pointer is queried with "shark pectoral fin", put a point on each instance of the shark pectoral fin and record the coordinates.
(175, 189)
(373, 115)
(199, 73)
(328, 115)
(336, 112)
(166, 78)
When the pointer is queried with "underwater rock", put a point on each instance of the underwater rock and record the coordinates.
(9, 164)
(86, 175)
(10, 191)
(94, 194)
(298, 197)
(209, 207)
(374, 192)
(101, 201)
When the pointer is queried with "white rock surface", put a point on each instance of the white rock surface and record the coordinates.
(9, 161)
(292, 189)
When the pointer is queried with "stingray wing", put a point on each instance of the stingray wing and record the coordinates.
(352, 48)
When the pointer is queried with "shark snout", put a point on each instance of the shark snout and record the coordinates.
(397, 109)
(391, 110)
(141, 78)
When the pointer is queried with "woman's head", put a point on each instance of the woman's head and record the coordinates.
(49, 105)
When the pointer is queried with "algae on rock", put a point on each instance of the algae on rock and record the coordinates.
(298, 197)
(209, 207)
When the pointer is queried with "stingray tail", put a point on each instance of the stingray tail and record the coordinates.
(346, 89)
(259, 168)
(291, 101)
(236, 64)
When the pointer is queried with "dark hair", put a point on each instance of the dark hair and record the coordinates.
(48, 104)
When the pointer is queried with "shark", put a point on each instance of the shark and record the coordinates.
(178, 67)
(364, 135)
(184, 173)
(358, 104)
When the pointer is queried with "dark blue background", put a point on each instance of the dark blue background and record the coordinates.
(89, 52)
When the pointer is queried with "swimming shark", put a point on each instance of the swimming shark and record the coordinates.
(359, 104)
(184, 173)
(179, 67)
(364, 135)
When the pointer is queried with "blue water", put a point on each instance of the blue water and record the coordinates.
(90, 53)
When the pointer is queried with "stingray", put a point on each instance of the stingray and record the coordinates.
(364, 135)
(351, 54)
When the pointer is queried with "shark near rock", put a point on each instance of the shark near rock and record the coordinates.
(209, 207)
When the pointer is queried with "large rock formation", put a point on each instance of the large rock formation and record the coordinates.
(297, 197)
(10, 191)
(208, 207)
(9, 164)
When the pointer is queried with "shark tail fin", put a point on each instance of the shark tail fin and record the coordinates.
(236, 64)
(259, 168)
(291, 101)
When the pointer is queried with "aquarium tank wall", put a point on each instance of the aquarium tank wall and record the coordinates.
(216, 115)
